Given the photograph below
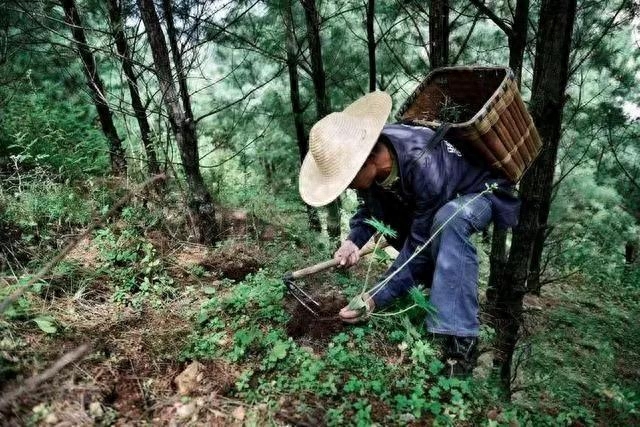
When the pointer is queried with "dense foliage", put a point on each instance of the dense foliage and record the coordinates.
(137, 283)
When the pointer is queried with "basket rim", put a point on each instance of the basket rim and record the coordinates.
(509, 75)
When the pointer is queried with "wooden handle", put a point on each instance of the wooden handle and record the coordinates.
(333, 263)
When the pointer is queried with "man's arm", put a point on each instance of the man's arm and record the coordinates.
(405, 279)
(427, 182)
(360, 232)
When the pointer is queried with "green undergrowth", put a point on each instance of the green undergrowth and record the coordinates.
(579, 364)
(388, 371)
(584, 364)
(384, 372)
(570, 369)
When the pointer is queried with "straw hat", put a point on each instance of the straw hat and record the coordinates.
(339, 144)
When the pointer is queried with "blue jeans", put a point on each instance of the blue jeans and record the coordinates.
(454, 286)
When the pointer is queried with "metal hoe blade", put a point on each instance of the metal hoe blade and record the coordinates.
(303, 298)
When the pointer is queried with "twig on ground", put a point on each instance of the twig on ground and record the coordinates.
(35, 381)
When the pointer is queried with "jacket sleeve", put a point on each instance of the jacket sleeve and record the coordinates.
(360, 232)
(427, 184)
(406, 278)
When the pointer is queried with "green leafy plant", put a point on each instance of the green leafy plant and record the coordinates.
(133, 264)
(46, 324)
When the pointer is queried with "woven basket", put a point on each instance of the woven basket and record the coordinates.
(486, 115)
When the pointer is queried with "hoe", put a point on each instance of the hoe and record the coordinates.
(305, 299)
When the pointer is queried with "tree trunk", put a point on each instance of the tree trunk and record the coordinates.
(547, 103)
(518, 38)
(323, 105)
(140, 112)
(498, 259)
(296, 105)
(371, 44)
(96, 88)
(177, 58)
(538, 246)
(630, 252)
(439, 33)
(201, 208)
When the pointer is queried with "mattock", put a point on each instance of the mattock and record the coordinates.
(304, 298)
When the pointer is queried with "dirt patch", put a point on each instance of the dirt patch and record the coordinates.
(85, 254)
(304, 324)
(233, 262)
(141, 391)
(241, 224)
(189, 255)
(214, 376)
(160, 241)
(305, 409)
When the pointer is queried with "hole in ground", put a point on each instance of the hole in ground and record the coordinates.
(304, 324)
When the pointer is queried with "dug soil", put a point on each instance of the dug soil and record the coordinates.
(304, 324)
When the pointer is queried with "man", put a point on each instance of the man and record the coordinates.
(416, 189)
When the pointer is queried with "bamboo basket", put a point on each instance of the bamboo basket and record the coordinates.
(485, 112)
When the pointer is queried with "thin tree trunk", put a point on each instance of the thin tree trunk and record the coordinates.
(177, 58)
(547, 103)
(497, 267)
(296, 105)
(518, 38)
(201, 207)
(371, 44)
(323, 105)
(439, 33)
(535, 269)
(498, 259)
(333, 219)
(140, 112)
(96, 88)
(630, 252)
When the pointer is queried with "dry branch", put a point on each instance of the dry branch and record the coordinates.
(35, 381)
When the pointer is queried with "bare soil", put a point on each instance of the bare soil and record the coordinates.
(129, 376)
(304, 324)
(234, 262)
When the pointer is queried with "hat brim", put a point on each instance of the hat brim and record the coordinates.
(318, 189)
(356, 131)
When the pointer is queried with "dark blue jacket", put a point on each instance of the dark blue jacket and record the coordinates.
(428, 180)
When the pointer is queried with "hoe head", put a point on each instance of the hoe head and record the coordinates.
(303, 298)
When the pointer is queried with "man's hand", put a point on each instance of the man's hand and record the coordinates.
(356, 316)
(348, 254)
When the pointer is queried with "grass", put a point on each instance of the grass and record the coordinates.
(152, 305)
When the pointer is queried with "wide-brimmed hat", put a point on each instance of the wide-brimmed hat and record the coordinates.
(339, 144)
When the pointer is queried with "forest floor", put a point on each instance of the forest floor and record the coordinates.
(183, 334)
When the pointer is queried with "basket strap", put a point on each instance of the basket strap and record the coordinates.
(435, 139)
(437, 136)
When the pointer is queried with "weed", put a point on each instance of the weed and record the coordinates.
(133, 265)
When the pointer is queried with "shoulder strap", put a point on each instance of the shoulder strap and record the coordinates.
(435, 139)
(437, 136)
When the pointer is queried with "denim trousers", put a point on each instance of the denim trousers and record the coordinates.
(454, 284)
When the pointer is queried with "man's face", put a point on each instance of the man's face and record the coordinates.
(365, 177)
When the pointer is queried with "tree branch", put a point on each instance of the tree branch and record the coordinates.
(33, 382)
(597, 42)
(620, 165)
(501, 23)
(245, 96)
(463, 46)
